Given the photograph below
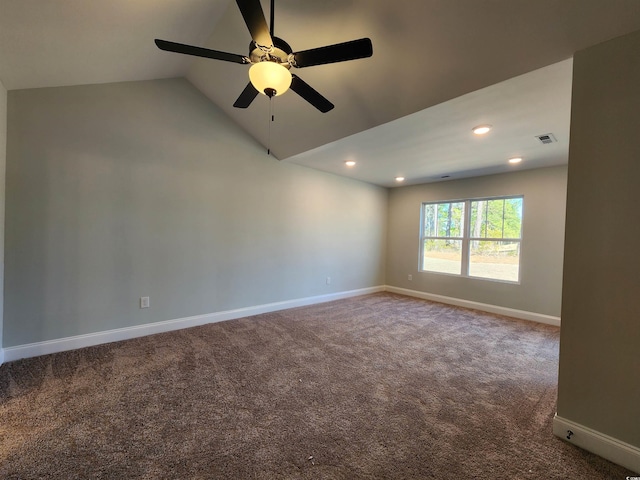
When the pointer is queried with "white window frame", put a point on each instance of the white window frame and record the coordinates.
(467, 238)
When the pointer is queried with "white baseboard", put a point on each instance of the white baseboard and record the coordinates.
(485, 307)
(91, 339)
(88, 340)
(595, 442)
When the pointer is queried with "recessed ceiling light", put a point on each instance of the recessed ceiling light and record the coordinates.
(350, 163)
(515, 160)
(481, 129)
(399, 179)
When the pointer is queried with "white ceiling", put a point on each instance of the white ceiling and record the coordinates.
(439, 67)
(73, 42)
(438, 141)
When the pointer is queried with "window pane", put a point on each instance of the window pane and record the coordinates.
(498, 218)
(430, 220)
(444, 256)
(444, 219)
(478, 218)
(493, 259)
(513, 218)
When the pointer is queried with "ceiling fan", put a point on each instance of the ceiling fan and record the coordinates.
(271, 58)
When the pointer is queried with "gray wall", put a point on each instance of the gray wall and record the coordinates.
(3, 157)
(119, 191)
(599, 383)
(539, 290)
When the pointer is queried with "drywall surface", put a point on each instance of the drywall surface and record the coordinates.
(539, 289)
(3, 162)
(120, 191)
(599, 382)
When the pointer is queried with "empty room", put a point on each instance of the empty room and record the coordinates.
(296, 239)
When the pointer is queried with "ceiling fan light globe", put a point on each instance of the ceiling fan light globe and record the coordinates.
(270, 76)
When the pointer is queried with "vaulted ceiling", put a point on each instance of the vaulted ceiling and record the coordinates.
(439, 68)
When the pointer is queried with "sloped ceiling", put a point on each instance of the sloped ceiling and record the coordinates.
(439, 68)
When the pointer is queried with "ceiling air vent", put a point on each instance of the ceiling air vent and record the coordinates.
(546, 138)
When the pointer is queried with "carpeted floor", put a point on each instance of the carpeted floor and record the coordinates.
(379, 386)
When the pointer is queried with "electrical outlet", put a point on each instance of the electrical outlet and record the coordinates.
(144, 302)
(409, 277)
(328, 280)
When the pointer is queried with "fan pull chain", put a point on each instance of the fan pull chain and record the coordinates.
(271, 119)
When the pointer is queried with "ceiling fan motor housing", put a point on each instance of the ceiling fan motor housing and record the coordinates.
(279, 53)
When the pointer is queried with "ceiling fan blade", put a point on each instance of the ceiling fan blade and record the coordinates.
(340, 52)
(200, 52)
(246, 97)
(253, 15)
(303, 89)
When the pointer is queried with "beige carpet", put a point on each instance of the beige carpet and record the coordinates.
(379, 386)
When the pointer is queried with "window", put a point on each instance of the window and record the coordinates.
(443, 234)
(473, 238)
